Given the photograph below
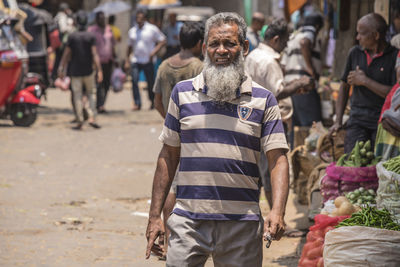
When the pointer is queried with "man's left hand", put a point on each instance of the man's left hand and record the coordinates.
(274, 225)
(356, 77)
(155, 229)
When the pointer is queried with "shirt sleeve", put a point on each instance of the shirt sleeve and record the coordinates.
(159, 36)
(157, 83)
(170, 134)
(272, 132)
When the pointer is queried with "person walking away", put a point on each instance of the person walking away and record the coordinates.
(145, 40)
(182, 66)
(171, 31)
(216, 124)
(370, 72)
(81, 53)
(105, 47)
(302, 57)
(257, 22)
(262, 64)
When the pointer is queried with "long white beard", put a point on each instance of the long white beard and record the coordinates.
(223, 81)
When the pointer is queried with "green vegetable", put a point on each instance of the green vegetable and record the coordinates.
(364, 162)
(371, 217)
(367, 145)
(363, 152)
(370, 155)
(371, 192)
(393, 165)
(340, 161)
(357, 155)
(361, 144)
(375, 161)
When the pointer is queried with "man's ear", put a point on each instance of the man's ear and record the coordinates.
(246, 48)
(204, 50)
(377, 36)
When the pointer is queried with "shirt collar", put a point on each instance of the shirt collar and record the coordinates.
(199, 84)
(269, 50)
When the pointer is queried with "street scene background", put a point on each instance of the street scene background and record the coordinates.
(72, 198)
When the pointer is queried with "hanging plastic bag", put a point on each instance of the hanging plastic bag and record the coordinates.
(118, 78)
(360, 246)
(388, 194)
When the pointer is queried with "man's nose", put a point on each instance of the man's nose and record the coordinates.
(221, 49)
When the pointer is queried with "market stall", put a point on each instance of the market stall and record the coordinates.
(358, 214)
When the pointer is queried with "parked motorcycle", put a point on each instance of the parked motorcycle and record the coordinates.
(20, 91)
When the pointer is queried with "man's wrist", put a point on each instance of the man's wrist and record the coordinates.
(154, 217)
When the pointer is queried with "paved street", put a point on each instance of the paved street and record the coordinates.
(79, 198)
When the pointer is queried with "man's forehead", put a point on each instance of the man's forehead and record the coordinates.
(224, 28)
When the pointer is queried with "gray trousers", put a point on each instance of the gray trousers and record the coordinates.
(230, 243)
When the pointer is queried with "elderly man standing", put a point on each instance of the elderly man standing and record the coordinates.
(216, 126)
(370, 70)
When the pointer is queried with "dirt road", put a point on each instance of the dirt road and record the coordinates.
(80, 198)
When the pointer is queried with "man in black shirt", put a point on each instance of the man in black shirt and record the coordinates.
(370, 71)
(81, 53)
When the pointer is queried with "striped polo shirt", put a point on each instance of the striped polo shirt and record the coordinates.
(292, 58)
(218, 177)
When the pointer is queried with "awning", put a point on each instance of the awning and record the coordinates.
(158, 4)
(293, 5)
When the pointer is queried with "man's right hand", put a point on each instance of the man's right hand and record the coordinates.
(334, 128)
(307, 82)
(127, 65)
(155, 229)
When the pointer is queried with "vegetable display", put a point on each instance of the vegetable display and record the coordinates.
(393, 165)
(371, 217)
(361, 156)
(361, 196)
(343, 207)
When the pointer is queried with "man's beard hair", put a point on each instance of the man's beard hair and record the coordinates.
(223, 81)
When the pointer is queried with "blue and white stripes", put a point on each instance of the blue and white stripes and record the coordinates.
(218, 175)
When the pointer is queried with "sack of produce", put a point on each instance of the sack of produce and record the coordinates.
(360, 246)
(351, 172)
(369, 237)
(312, 251)
(388, 194)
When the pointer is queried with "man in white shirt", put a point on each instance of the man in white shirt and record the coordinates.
(262, 64)
(145, 40)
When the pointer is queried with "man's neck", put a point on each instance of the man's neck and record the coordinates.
(267, 43)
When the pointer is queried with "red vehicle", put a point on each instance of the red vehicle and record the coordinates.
(20, 92)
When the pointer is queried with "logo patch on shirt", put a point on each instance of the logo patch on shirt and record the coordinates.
(244, 112)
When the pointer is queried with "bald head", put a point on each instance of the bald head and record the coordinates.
(376, 23)
(257, 21)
